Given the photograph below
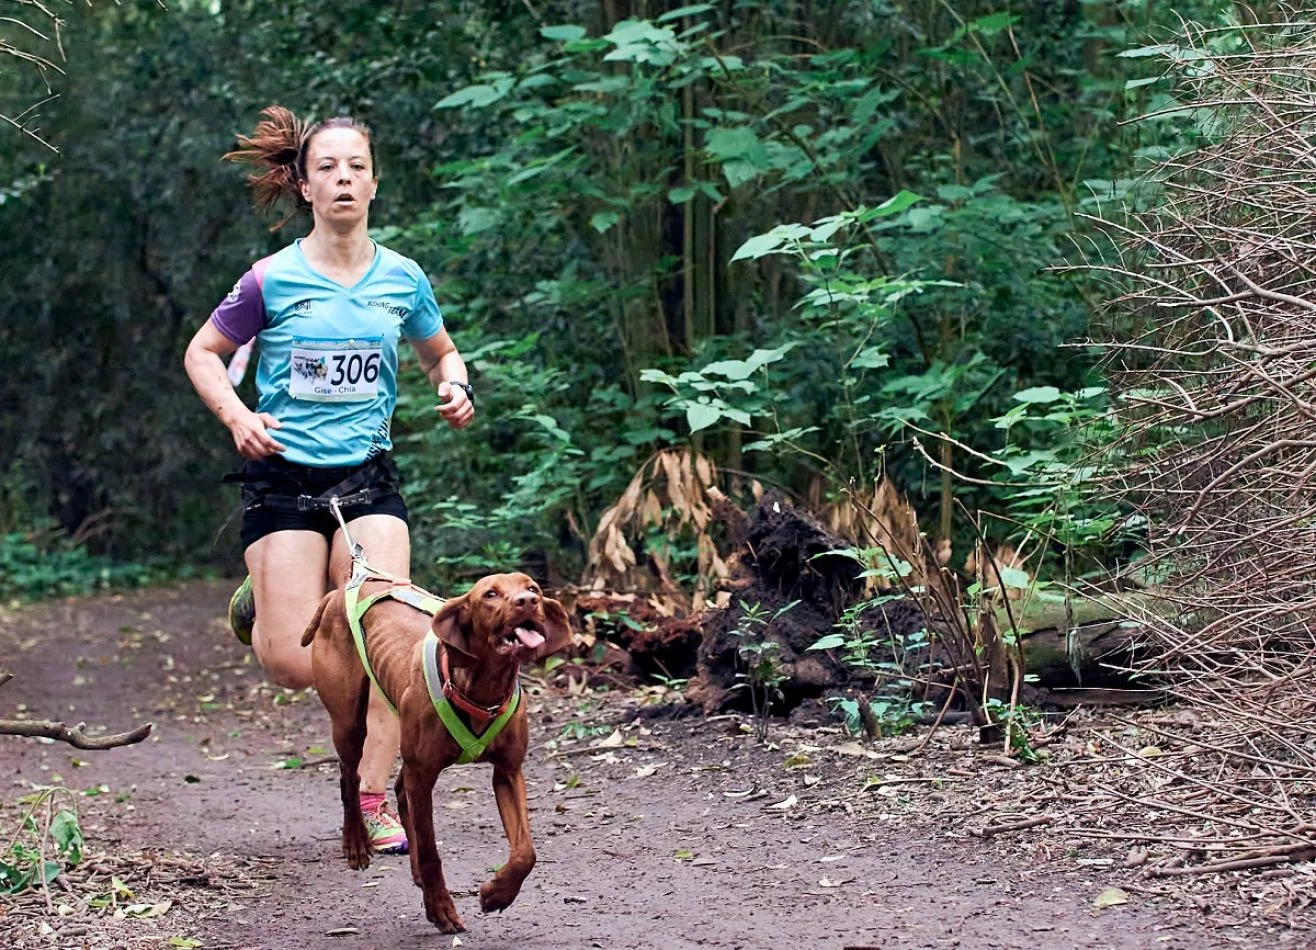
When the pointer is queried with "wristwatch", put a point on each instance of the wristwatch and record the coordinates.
(465, 387)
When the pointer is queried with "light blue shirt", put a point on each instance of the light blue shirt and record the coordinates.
(328, 354)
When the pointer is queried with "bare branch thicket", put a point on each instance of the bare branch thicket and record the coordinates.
(1211, 338)
(31, 37)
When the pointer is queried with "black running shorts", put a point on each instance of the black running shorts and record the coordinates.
(263, 514)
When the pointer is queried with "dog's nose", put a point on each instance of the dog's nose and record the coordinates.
(525, 599)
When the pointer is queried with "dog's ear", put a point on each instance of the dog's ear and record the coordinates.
(452, 625)
(557, 630)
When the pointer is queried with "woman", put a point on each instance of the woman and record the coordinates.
(327, 312)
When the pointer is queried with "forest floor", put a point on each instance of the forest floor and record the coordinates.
(653, 831)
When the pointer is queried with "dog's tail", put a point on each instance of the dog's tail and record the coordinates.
(314, 625)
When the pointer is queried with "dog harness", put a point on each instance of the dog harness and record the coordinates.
(438, 681)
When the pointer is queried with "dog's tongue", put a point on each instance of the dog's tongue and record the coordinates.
(531, 638)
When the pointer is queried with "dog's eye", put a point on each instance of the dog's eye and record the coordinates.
(490, 593)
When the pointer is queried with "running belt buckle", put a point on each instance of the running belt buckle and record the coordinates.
(314, 503)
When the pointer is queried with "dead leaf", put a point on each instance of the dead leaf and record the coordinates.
(646, 770)
(341, 932)
(1110, 897)
(614, 741)
(854, 748)
(811, 780)
(702, 862)
(825, 882)
(790, 802)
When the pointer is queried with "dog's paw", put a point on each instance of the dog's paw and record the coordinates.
(497, 895)
(357, 854)
(442, 913)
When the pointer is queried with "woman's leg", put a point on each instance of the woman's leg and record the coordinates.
(288, 571)
(387, 547)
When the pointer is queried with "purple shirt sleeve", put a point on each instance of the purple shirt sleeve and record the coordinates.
(241, 315)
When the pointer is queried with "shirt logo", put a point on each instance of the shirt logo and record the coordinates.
(235, 293)
(302, 306)
(391, 309)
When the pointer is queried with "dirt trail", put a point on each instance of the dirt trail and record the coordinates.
(631, 855)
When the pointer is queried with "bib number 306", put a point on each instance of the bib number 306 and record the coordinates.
(334, 373)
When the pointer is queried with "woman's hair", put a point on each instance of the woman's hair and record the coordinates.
(279, 144)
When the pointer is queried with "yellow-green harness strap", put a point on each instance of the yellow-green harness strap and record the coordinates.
(472, 746)
(410, 594)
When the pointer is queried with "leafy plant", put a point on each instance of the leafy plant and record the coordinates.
(763, 673)
(40, 850)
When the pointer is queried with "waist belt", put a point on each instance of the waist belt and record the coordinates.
(351, 491)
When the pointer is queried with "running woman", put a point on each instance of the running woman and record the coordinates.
(327, 313)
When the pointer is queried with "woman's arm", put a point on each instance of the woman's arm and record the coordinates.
(205, 367)
(443, 365)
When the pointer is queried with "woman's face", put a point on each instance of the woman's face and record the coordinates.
(340, 181)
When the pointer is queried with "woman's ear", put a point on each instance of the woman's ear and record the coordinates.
(452, 625)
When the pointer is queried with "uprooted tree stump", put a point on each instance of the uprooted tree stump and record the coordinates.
(787, 555)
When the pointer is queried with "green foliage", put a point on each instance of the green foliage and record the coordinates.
(40, 850)
(763, 672)
(602, 204)
(32, 567)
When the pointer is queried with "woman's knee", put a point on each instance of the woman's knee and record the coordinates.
(286, 665)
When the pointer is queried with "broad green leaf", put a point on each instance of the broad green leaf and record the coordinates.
(186, 943)
(738, 142)
(474, 220)
(994, 22)
(897, 203)
(604, 220)
(1013, 577)
(867, 104)
(954, 192)
(1160, 49)
(565, 34)
(681, 194)
(731, 369)
(710, 189)
(758, 246)
(470, 96)
(1038, 394)
(67, 835)
(829, 642)
(685, 11)
(701, 415)
(739, 173)
(871, 357)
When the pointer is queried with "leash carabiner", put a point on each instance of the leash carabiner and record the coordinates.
(361, 569)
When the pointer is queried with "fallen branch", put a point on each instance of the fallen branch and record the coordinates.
(76, 737)
(988, 830)
(1287, 855)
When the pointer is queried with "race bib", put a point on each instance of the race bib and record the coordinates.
(334, 371)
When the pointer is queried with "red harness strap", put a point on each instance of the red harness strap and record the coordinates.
(479, 714)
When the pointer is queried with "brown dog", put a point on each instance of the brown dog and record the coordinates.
(502, 621)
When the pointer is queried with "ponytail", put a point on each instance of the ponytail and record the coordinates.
(276, 145)
(279, 145)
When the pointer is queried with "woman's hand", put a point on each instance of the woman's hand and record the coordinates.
(456, 409)
(250, 435)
